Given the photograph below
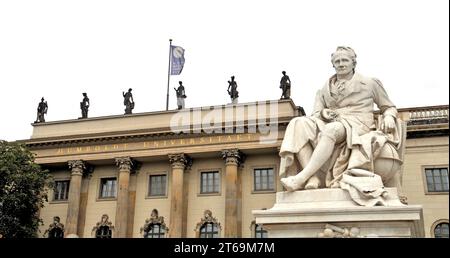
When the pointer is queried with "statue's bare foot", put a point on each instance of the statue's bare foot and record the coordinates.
(289, 183)
(312, 183)
(293, 183)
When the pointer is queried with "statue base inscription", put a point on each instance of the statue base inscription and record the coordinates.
(332, 213)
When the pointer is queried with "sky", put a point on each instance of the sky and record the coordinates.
(60, 49)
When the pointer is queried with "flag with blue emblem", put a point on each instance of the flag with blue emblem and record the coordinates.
(177, 60)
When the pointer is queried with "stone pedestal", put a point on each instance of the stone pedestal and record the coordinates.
(309, 213)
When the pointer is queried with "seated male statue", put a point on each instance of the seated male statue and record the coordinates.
(342, 134)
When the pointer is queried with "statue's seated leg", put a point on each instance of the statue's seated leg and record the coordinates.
(333, 133)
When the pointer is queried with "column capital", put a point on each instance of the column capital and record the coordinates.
(233, 156)
(77, 166)
(180, 160)
(125, 164)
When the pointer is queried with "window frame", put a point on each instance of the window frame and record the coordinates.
(162, 173)
(217, 232)
(435, 224)
(425, 182)
(160, 234)
(261, 231)
(53, 190)
(254, 190)
(275, 178)
(100, 189)
(60, 235)
(110, 231)
(199, 188)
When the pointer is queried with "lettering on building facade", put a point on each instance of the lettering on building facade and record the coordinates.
(155, 144)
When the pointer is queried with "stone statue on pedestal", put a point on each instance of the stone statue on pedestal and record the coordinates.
(232, 90)
(285, 86)
(41, 111)
(128, 101)
(341, 145)
(181, 95)
(84, 105)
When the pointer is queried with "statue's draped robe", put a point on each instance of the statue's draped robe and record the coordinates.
(180, 96)
(355, 108)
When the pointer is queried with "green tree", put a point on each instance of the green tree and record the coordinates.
(22, 191)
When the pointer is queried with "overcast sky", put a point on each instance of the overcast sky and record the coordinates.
(59, 49)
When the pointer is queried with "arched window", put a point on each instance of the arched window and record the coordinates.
(155, 230)
(260, 232)
(154, 227)
(257, 230)
(209, 230)
(56, 233)
(441, 230)
(103, 232)
(103, 228)
(208, 227)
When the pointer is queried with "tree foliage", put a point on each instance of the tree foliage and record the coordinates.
(22, 191)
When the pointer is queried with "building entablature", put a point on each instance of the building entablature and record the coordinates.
(191, 120)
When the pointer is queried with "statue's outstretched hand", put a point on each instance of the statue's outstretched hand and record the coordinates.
(388, 125)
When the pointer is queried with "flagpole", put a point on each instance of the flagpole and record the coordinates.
(168, 73)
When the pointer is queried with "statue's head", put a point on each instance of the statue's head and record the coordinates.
(105, 218)
(344, 60)
(232, 77)
(154, 213)
(84, 94)
(42, 99)
(283, 72)
(180, 82)
(56, 219)
(130, 89)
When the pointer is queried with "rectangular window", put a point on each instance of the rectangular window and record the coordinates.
(264, 179)
(157, 185)
(210, 182)
(108, 187)
(437, 179)
(61, 190)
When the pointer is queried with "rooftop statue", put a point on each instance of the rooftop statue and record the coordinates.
(285, 86)
(232, 90)
(128, 101)
(41, 111)
(84, 105)
(181, 95)
(341, 145)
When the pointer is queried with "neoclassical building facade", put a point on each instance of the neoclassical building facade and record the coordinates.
(199, 172)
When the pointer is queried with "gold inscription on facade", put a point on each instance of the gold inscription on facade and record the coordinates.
(157, 144)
